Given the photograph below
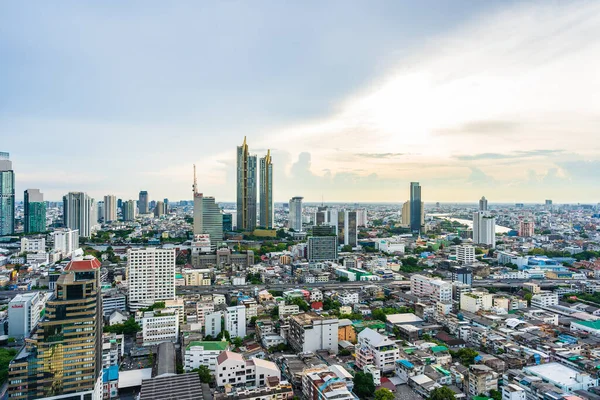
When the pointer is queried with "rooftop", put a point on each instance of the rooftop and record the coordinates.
(176, 387)
(210, 346)
(86, 264)
(555, 373)
(589, 324)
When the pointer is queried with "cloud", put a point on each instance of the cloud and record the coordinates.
(379, 155)
(517, 154)
(483, 128)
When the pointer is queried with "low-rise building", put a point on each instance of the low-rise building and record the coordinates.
(312, 332)
(158, 326)
(321, 382)
(374, 348)
(203, 353)
(232, 369)
(24, 312)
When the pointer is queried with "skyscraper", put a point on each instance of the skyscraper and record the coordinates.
(350, 228)
(415, 207)
(159, 209)
(78, 209)
(151, 276)
(208, 218)
(7, 195)
(266, 191)
(246, 189)
(143, 202)
(483, 204)
(35, 211)
(64, 354)
(295, 215)
(484, 225)
(110, 208)
(128, 210)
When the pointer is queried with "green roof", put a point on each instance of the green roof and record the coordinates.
(481, 398)
(590, 324)
(178, 276)
(437, 349)
(210, 346)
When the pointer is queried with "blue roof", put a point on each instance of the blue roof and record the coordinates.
(110, 374)
(406, 363)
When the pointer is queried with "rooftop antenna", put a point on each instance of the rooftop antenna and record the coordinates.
(322, 198)
(195, 185)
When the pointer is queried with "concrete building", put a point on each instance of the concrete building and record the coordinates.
(7, 195)
(64, 354)
(143, 202)
(129, 210)
(465, 254)
(591, 327)
(376, 349)
(513, 392)
(562, 376)
(150, 276)
(24, 312)
(350, 228)
(405, 221)
(481, 380)
(66, 241)
(232, 369)
(295, 216)
(208, 219)
(246, 189)
(33, 244)
(526, 228)
(113, 300)
(203, 353)
(544, 299)
(79, 213)
(323, 382)
(322, 248)
(158, 326)
(434, 289)
(110, 208)
(416, 207)
(197, 277)
(312, 332)
(462, 275)
(34, 218)
(212, 324)
(266, 191)
(475, 301)
(113, 349)
(223, 257)
(484, 228)
(235, 321)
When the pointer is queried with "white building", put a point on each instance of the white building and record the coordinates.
(295, 216)
(285, 310)
(66, 241)
(235, 321)
(158, 326)
(562, 376)
(484, 228)
(203, 309)
(434, 289)
(233, 370)
(348, 298)
(203, 353)
(112, 301)
(465, 254)
(513, 392)
(212, 324)
(376, 349)
(79, 212)
(24, 313)
(150, 275)
(591, 327)
(544, 299)
(312, 332)
(33, 245)
(475, 301)
(112, 349)
(110, 208)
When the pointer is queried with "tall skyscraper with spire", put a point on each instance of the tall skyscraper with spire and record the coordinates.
(266, 191)
(7, 195)
(246, 188)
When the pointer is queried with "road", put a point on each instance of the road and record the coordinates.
(392, 284)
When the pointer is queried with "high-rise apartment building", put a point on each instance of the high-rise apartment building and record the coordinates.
(266, 191)
(246, 188)
(227, 222)
(322, 248)
(159, 209)
(129, 210)
(143, 202)
(350, 228)
(63, 356)
(526, 228)
(312, 332)
(484, 225)
(151, 276)
(434, 289)
(416, 207)
(7, 195)
(34, 211)
(465, 254)
(66, 241)
(235, 321)
(78, 209)
(99, 211)
(295, 214)
(406, 214)
(24, 312)
(110, 208)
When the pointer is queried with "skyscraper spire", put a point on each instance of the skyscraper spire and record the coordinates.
(195, 185)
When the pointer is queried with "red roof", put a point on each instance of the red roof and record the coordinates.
(87, 264)
(317, 305)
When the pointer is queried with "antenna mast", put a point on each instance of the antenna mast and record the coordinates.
(195, 185)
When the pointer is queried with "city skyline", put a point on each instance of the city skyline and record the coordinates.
(442, 97)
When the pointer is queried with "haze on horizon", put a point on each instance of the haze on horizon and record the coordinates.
(355, 100)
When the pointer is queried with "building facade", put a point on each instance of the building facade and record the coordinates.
(150, 275)
(110, 208)
(143, 202)
(7, 195)
(246, 188)
(266, 191)
(416, 207)
(129, 210)
(295, 216)
(79, 213)
(24, 312)
(34, 218)
(66, 241)
(322, 248)
(311, 332)
(235, 321)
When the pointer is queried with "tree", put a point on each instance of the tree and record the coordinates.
(528, 297)
(237, 342)
(465, 355)
(224, 334)
(275, 313)
(442, 393)
(384, 394)
(496, 394)
(379, 314)
(456, 241)
(204, 374)
(343, 279)
(363, 384)
(301, 303)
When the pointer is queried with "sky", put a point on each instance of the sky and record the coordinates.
(354, 99)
